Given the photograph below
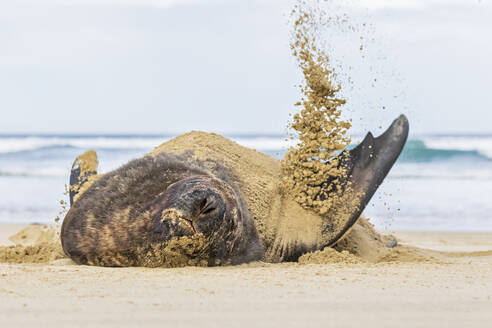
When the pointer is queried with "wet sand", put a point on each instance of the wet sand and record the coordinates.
(457, 293)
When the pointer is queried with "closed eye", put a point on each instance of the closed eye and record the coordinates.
(208, 210)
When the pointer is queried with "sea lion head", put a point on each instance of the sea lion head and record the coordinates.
(211, 207)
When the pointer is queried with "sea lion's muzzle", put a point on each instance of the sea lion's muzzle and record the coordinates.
(174, 224)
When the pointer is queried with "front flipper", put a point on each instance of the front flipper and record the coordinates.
(366, 167)
(84, 167)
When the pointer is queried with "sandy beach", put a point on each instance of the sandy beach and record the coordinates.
(454, 293)
(150, 146)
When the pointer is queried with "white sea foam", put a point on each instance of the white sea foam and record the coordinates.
(482, 145)
(483, 174)
(27, 171)
(18, 144)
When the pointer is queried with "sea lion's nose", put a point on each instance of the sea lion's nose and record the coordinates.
(173, 223)
(176, 227)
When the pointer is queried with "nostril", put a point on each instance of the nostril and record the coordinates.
(175, 227)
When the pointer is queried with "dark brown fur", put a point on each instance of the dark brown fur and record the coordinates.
(115, 221)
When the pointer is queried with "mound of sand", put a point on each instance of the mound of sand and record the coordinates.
(329, 255)
(34, 235)
(368, 245)
(33, 244)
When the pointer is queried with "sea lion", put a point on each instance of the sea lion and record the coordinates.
(202, 199)
(149, 201)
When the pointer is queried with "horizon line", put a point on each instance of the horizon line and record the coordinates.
(232, 134)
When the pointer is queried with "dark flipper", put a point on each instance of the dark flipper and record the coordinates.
(367, 165)
(83, 167)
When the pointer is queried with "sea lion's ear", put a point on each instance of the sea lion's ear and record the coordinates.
(83, 173)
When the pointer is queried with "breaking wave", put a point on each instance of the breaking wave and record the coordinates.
(423, 149)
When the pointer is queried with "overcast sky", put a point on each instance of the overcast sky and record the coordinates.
(157, 66)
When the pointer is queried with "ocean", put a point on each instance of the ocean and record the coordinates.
(440, 183)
